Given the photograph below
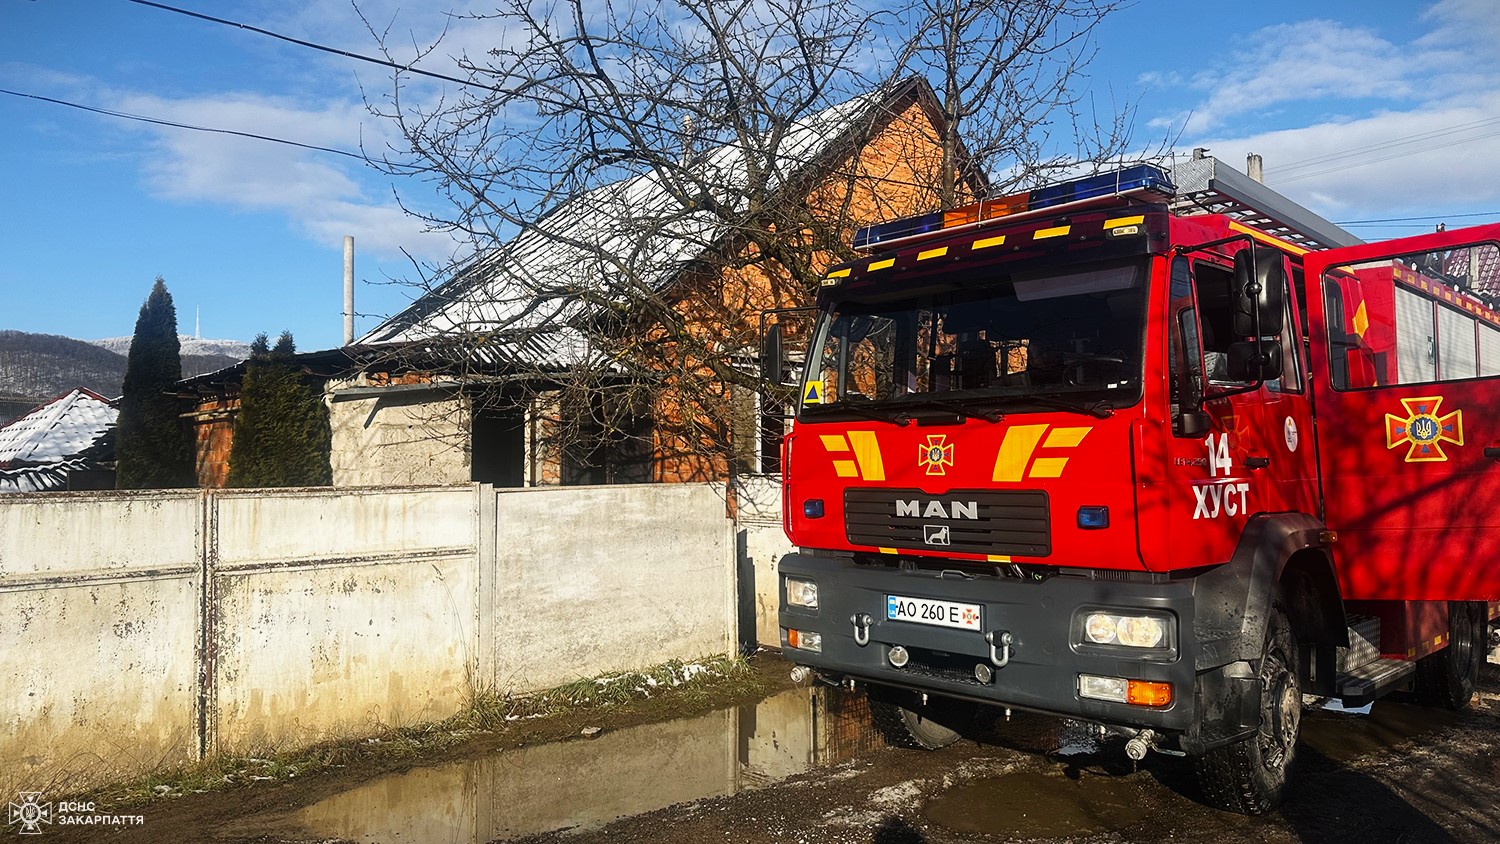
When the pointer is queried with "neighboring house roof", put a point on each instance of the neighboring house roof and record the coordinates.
(52, 477)
(57, 430)
(518, 302)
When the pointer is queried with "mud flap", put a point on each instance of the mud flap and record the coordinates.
(1227, 700)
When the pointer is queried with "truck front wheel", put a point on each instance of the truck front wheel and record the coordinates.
(1250, 775)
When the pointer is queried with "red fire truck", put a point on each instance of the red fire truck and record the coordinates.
(1158, 450)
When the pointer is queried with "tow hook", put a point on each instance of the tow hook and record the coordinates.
(1000, 639)
(861, 622)
(1142, 743)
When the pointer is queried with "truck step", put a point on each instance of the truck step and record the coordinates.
(1364, 643)
(1373, 679)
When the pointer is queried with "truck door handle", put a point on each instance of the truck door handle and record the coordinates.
(1262, 462)
(1492, 453)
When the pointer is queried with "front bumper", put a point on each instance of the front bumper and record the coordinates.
(1208, 708)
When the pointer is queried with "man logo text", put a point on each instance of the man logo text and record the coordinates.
(935, 510)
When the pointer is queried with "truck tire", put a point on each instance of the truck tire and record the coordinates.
(921, 727)
(1447, 678)
(1250, 775)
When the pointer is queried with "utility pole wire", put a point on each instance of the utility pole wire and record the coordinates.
(176, 125)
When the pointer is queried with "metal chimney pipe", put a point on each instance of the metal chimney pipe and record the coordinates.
(348, 289)
(1255, 168)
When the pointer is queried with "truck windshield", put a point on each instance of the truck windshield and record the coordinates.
(1072, 334)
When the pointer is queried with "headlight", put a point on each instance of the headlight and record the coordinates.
(1132, 631)
(801, 593)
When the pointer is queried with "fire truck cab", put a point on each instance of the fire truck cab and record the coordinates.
(1158, 450)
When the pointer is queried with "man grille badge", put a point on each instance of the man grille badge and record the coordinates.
(936, 535)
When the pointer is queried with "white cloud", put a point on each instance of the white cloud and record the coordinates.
(324, 195)
(1305, 61)
(1431, 158)
(1359, 126)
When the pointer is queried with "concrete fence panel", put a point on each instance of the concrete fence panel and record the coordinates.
(591, 580)
(762, 544)
(99, 618)
(337, 612)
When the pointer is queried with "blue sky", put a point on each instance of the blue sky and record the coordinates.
(1362, 110)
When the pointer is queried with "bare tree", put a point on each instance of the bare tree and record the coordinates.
(1012, 82)
(638, 181)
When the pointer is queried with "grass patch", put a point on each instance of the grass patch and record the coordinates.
(686, 680)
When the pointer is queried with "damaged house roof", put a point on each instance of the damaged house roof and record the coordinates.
(39, 449)
(516, 305)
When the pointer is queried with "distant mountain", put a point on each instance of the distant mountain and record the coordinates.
(41, 366)
(191, 346)
(37, 367)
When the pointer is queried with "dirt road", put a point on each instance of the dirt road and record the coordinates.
(805, 766)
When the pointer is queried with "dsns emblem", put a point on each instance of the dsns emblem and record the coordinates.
(936, 455)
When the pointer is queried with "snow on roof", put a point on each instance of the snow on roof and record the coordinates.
(57, 430)
(523, 297)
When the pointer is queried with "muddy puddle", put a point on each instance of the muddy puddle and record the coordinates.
(586, 783)
(1039, 804)
(1343, 736)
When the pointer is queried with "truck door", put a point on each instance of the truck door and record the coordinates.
(1405, 364)
(1218, 477)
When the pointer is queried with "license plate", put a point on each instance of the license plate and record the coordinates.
(938, 613)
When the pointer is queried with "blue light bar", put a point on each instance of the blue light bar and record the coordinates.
(898, 229)
(1144, 178)
(1144, 181)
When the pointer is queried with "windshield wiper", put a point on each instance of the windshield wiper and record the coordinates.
(894, 416)
(1100, 409)
(957, 406)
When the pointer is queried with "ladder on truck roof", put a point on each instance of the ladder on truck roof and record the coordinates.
(1206, 185)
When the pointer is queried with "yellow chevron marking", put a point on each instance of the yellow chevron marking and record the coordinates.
(1065, 437)
(932, 253)
(1361, 320)
(1048, 467)
(844, 273)
(1125, 221)
(1055, 231)
(867, 452)
(835, 442)
(846, 468)
(985, 243)
(1015, 451)
(881, 265)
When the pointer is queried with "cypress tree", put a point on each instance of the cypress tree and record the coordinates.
(152, 447)
(281, 434)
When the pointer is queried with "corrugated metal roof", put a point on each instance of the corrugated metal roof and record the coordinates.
(57, 430)
(52, 477)
(525, 299)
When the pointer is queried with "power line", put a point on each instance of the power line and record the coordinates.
(176, 125)
(1416, 219)
(1384, 145)
(1386, 158)
(322, 47)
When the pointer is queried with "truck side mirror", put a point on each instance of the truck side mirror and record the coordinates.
(1259, 292)
(772, 359)
(1255, 360)
(1192, 423)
